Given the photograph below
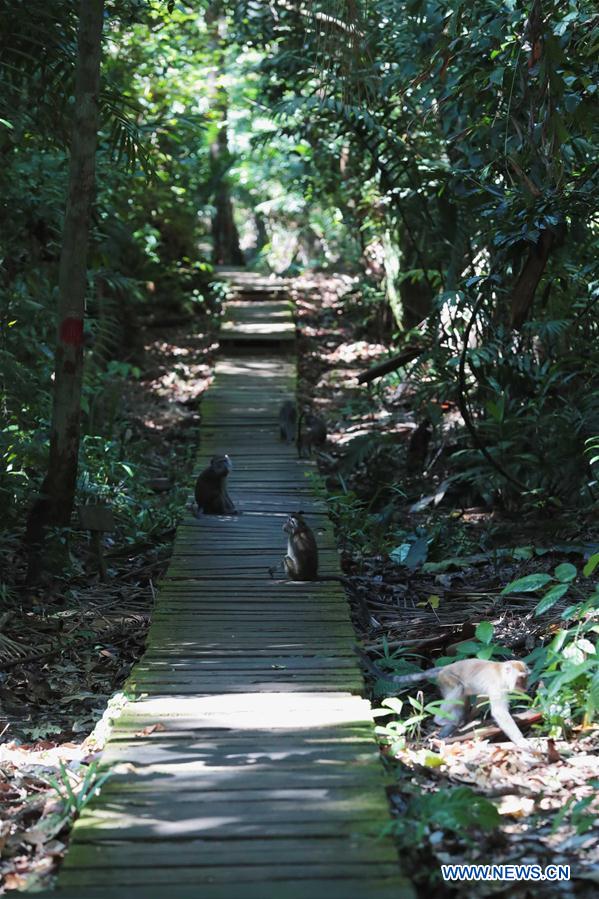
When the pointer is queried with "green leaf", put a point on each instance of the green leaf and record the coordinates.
(554, 594)
(571, 611)
(591, 565)
(418, 553)
(559, 640)
(496, 410)
(523, 553)
(569, 674)
(467, 648)
(396, 705)
(410, 554)
(484, 632)
(565, 572)
(527, 584)
(433, 760)
(400, 553)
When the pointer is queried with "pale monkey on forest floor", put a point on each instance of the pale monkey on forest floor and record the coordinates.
(459, 681)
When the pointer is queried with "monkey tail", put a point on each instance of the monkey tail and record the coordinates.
(399, 678)
(408, 678)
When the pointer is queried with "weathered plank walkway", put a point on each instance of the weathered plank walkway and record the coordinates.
(248, 767)
(258, 313)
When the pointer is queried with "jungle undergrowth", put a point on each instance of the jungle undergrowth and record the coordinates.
(436, 558)
(67, 646)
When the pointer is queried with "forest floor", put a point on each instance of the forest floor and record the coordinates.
(465, 800)
(68, 646)
(65, 650)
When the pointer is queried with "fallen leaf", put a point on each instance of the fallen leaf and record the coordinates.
(516, 806)
(150, 729)
(552, 753)
(14, 881)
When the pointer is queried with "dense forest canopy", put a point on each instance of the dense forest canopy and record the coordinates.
(450, 144)
(425, 174)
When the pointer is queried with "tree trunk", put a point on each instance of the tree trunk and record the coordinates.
(525, 288)
(55, 505)
(225, 238)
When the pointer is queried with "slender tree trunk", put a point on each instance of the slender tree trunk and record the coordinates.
(525, 288)
(225, 238)
(55, 505)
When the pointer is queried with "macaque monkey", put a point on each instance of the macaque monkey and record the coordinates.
(301, 561)
(287, 421)
(211, 493)
(471, 677)
(311, 431)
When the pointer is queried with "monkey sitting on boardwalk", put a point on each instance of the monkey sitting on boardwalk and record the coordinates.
(287, 421)
(311, 431)
(211, 493)
(301, 561)
(459, 681)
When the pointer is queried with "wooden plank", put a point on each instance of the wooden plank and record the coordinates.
(106, 824)
(219, 629)
(212, 754)
(277, 614)
(156, 662)
(169, 854)
(203, 874)
(207, 747)
(317, 888)
(175, 813)
(288, 746)
(190, 686)
(217, 736)
(268, 585)
(315, 711)
(253, 645)
(215, 779)
(248, 600)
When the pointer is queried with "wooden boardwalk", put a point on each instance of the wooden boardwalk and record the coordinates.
(248, 767)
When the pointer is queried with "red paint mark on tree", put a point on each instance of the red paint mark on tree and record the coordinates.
(71, 331)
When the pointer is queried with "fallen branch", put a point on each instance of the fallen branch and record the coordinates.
(391, 364)
(524, 719)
